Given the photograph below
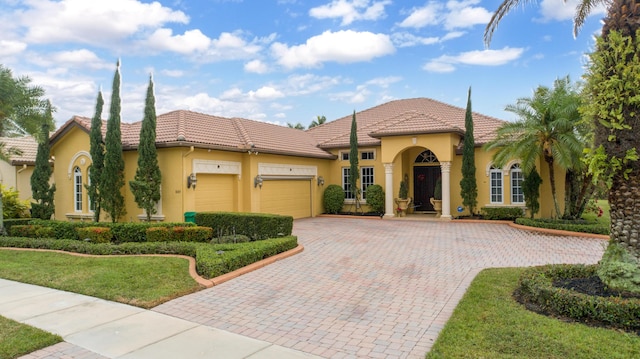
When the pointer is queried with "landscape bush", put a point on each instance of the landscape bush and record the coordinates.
(95, 234)
(257, 226)
(122, 232)
(565, 225)
(536, 287)
(375, 198)
(333, 199)
(501, 213)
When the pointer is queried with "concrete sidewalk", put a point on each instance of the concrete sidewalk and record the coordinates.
(96, 328)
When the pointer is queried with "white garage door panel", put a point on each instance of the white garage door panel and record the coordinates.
(286, 197)
(215, 192)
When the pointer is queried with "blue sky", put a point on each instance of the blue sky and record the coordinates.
(288, 61)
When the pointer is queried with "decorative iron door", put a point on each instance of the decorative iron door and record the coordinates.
(424, 182)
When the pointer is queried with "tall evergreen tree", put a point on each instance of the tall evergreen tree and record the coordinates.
(468, 185)
(42, 191)
(146, 184)
(97, 156)
(354, 172)
(112, 179)
(531, 191)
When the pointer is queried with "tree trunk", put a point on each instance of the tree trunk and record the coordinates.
(552, 180)
(624, 199)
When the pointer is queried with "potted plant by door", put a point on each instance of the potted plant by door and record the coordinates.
(403, 199)
(436, 200)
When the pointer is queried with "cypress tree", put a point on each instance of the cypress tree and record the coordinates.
(112, 179)
(468, 185)
(354, 173)
(41, 190)
(146, 184)
(531, 191)
(97, 156)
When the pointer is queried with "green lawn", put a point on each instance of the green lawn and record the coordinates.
(137, 280)
(488, 323)
(18, 339)
(606, 217)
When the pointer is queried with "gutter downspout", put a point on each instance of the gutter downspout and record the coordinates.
(183, 188)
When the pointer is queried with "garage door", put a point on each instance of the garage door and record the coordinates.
(216, 192)
(286, 197)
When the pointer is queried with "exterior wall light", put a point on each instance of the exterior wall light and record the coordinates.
(320, 181)
(257, 181)
(192, 181)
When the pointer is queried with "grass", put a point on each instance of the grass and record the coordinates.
(141, 281)
(488, 323)
(18, 339)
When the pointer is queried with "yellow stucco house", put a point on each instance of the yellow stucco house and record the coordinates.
(17, 171)
(212, 163)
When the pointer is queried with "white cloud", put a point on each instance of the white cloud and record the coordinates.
(384, 82)
(300, 85)
(256, 66)
(232, 46)
(10, 48)
(172, 73)
(487, 57)
(405, 39)
(423, 16)
(350, 11)
(463, 15)
(80, 58)
(552, 10)
(343, 46)
(191, 41)
(265, 93)
(93, 22)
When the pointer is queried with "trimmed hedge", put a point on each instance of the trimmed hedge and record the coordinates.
(122, 232)
(177, 233)
(257, 226)
(211, 259)
(333, 199)
(501, 213)
(565, 225)
(536, 286)
(8, 223)
(224, 258)
(95, 234)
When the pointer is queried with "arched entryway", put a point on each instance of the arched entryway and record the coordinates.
(426, 171)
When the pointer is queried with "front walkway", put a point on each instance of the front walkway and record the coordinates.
(368, 287)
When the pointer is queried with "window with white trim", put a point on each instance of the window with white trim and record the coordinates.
(495, 185)
(346, 186)
(367, 178)
(517, 195)
(367, 155)
(77, 189)
(344, 156)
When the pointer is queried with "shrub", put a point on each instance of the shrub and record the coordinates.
(232, 238)
(375, 198)
(45, 232)
(213, 261)
(23, 230)
(536, 286)
(501, 213)
(14, 221)
(257, 226)
(333, 199)
(565, 225)
(95, 234)
(12, 205)
(157, 234)
(197, 234)
(122, 232)
(619, 269)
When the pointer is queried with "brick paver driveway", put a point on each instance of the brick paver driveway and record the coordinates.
(371, 288)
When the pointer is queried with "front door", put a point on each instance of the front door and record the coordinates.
(424, 182)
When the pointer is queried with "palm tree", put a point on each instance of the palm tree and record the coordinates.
(318, 122)
(583, 9)
(614, 105)
(545, 128)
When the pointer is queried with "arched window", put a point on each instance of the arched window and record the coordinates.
(495, 184)
(426, 157)
(517, 195)
(77, 189)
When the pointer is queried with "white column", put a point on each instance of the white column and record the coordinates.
(388, 190)
(445, 169)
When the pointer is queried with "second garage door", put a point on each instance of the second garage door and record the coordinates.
(286, 197)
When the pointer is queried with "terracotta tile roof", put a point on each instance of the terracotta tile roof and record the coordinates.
(402, 117)
(395, 118)
(27, 146)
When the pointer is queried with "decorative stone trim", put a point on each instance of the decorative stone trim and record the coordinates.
(217, 167)
(284, 170)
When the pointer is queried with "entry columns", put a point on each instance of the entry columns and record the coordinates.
(388, 190)
(445, 169)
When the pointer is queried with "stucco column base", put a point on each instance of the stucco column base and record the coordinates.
(445, 170)
(446, 218)
(388, 190)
